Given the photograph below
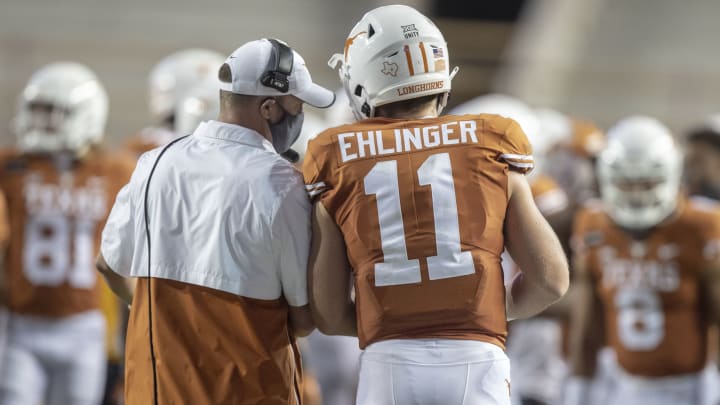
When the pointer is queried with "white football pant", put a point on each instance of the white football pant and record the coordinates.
(54, 361)
(433, 372)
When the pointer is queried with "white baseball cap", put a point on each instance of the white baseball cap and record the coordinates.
(250, 61)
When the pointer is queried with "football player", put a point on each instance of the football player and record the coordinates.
(702, 159)
(58, 187)
(418, 208)
(173, 79)
(647, 266)
(574, 161)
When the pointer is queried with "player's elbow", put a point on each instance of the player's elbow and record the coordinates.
(330, 321)
(558, 279)
(327, 322)
(301, 320)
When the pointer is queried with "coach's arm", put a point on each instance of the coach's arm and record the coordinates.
(121, 286)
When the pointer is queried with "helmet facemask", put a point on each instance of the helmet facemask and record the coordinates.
(640, 180)
(63, 108)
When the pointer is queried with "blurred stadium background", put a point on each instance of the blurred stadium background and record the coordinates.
(599, 59)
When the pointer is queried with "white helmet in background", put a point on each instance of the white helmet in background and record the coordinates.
(393, 53)
(639, 173)
(176, 74)
(555, 127)
(62, 107)
(201, 103)
(515, 109)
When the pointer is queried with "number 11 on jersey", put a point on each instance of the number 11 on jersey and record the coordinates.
(396, 269)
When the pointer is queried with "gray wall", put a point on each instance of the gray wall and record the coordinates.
(122, 40)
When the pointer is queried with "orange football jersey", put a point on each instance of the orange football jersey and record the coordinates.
(650, 288)
(421, 205)
(57, 207)
(587, 139)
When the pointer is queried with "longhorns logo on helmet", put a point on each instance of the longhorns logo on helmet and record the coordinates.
(639, 172)
(393, 53)
(62, 107)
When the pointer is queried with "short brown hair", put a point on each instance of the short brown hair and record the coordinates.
(407, 106)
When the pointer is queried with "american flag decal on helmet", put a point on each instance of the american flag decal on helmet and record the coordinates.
(437, 52)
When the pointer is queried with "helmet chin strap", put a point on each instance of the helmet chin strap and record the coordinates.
(455, 70)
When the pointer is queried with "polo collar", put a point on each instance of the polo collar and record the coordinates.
(233, 133)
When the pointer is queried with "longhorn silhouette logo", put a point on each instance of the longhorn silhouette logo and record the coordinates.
(389, 69)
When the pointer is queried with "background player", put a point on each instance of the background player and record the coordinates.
(58, 186)
(177, 76)
(423, 204)
(646, 263)
(702, 159)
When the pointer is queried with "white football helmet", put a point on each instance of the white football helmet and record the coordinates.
(639, 173)
(177, 74)
(340, 113)
(62, 107)
(393, 53)
(555, 127)
(515, 109)
(201, 103)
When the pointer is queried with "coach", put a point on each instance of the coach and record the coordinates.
(221, 288)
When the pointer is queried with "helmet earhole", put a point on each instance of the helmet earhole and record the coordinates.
(365, 109)
(371, 31)
(358, 90)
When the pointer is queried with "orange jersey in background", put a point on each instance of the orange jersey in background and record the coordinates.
(549, 197)
(650, 289)
(147, 139)
(421, 205)
(57, 208)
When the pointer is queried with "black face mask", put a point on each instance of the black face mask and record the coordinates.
(286, 131)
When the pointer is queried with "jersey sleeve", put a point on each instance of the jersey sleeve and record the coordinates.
(711, 238)
(584, 234)
(510, 143)
(315, 168)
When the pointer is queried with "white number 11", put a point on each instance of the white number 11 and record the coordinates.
(450, 261)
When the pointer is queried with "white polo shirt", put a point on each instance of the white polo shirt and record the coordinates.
(225, 212)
